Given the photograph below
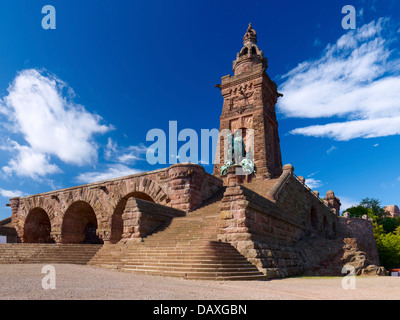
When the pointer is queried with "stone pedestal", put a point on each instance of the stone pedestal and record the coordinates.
(231, 175)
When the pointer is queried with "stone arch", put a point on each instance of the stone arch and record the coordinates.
(117, 223)
(141, 185)
(86, 195)
(43, 202)
(244, 51)
(80, 224)
(37, 227)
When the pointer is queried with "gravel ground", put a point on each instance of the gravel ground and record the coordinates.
(76, 282)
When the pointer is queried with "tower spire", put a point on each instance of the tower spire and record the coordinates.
(250, 55)
(250, 35)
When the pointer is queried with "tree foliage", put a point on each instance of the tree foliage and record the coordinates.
(386, 230)
(389, 250)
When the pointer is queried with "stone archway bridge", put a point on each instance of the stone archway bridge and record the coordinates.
(114, 208)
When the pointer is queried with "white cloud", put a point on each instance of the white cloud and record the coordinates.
(113, 171)
(11, 193)
(357, 78)
(120, 158)
(40, 109)
(132, 154)
(125, 155)
(3, 108)
(313, 183)
(110, 149)
(343, 131)
(29, 163)
(331, 149)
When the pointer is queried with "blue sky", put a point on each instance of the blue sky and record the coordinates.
(77, 102)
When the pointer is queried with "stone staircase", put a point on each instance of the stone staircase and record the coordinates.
(187, 248)
(47, 253)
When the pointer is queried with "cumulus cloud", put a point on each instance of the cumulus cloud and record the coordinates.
(313, 183)
(356, 79)
(11, 193)
(125, 155)
(120, 158)
(42, 113)
(112, 171)
(30, 163)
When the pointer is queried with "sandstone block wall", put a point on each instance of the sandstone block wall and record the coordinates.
(292, 232)
(182, 186)
(141, 218)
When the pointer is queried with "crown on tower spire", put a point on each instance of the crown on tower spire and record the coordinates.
(250, 55)
(250, 35)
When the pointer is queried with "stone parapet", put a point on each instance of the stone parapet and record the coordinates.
(141, 218)
(288, 232)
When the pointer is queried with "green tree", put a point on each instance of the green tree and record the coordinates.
(386, 230)
(375, 206)
(388, 245)
(377, 230)
(389, 224)
(358, 211)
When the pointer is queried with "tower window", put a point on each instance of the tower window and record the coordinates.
(244, 51)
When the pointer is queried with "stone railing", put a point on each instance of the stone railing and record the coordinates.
(273, 193)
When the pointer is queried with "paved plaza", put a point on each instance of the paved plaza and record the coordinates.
(78, 282)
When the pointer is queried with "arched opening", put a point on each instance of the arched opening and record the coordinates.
(37, 227)
(117, 223)
(244, 51)
(80, 224)
(253, 50)
(314, 218)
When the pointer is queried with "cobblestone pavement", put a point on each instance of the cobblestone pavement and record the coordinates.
(76, 282)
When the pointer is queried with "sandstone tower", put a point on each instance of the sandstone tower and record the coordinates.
(249, 103)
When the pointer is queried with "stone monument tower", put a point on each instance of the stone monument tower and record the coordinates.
(249, 103)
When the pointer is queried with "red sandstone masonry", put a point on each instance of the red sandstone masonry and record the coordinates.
(141, 218)
(276, 233)
(181, 186)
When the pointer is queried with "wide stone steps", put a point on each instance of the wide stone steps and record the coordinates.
(46, 253)
(198, 264)
(202, 223)
(187, 247)
(197, 275)
(200, 260)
